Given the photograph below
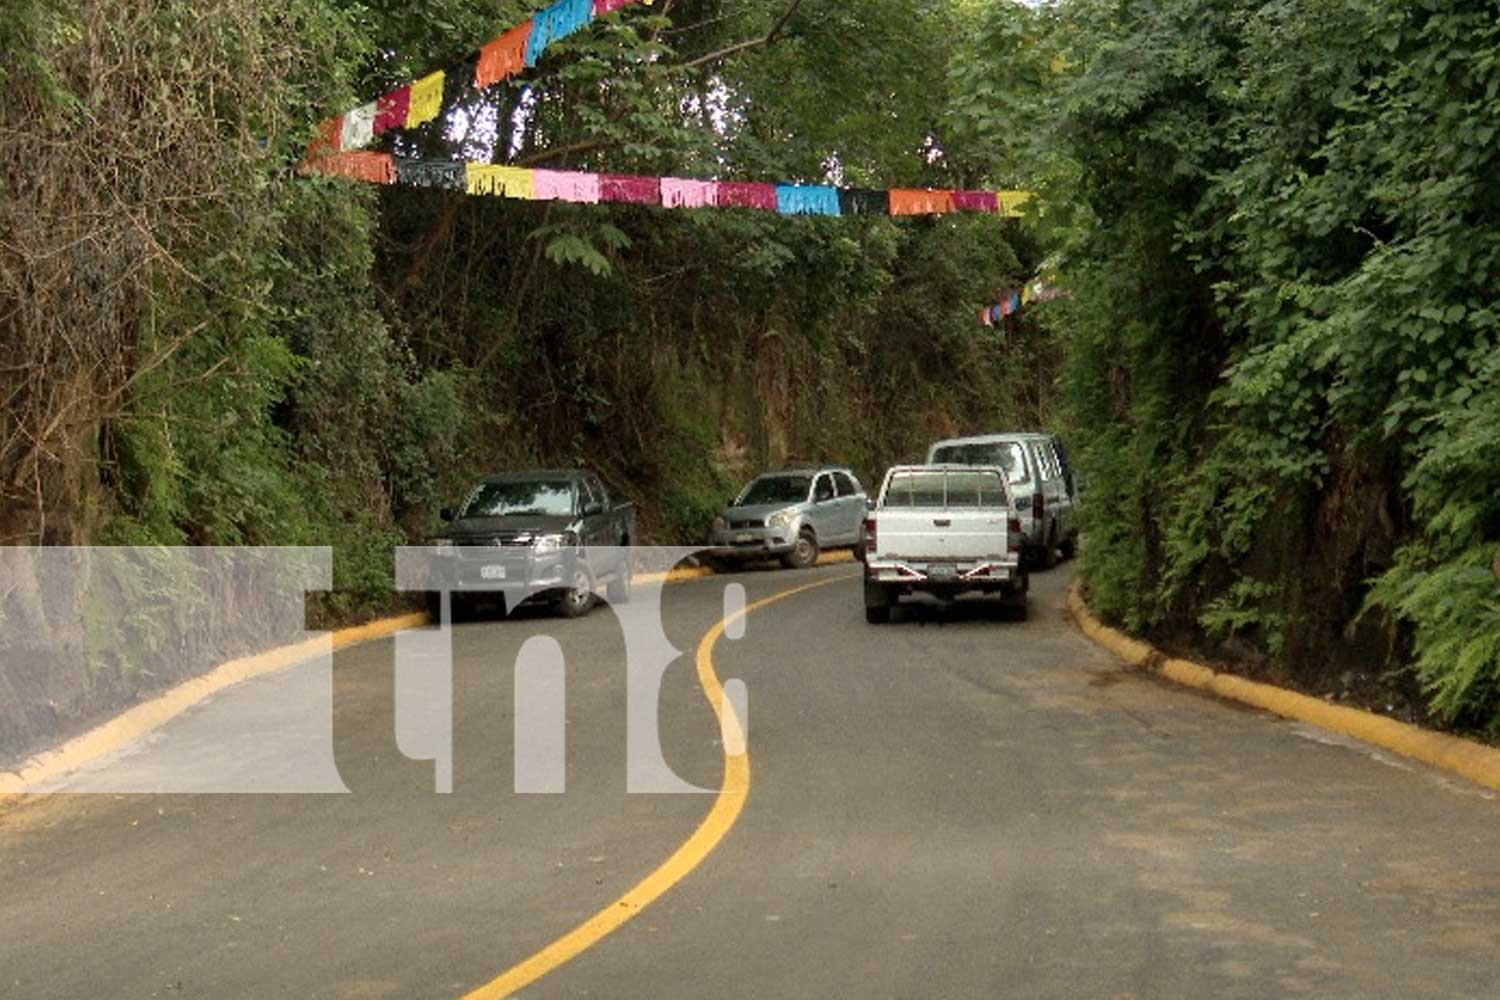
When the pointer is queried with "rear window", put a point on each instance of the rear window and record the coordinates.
(915, 489)
(945, 489)
(975, 489)
(1009, 455)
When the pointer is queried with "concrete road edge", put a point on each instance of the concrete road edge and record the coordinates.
(1467, 758)
(138, 720)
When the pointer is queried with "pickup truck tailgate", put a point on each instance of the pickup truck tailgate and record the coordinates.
(924, 535)
(943, 514)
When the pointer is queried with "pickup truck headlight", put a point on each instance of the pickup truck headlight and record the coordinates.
(782, 519)
(548, 544)
(720, 524)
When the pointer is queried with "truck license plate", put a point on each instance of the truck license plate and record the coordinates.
(492, 572)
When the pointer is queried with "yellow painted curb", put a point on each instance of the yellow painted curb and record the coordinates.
(141, 719)
(1466, 758)
(698, 572)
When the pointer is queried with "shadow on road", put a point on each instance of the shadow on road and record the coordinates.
(921, 611)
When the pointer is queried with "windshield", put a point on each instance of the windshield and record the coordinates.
(928, 488)
(1009, 455)
(544, 496)
(776, 489)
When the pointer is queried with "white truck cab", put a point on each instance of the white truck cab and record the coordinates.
(943, 530)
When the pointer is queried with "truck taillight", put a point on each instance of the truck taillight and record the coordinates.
(1013, 531)
(870, 534)
(1038, 506)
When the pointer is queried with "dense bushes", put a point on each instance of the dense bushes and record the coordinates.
(1281, 228)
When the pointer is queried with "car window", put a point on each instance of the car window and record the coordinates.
(1049, 453)
(601, 495)
(824, 489)
(975, 489)
(847, 486)
(585, 493)
(1008, 455)
(1043, 469)
(915, 489)
(776, 489)
(538, 496)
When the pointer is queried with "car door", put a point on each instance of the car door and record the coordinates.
(823, 512)
(591, 496)
(1049, 482)
(851, 504)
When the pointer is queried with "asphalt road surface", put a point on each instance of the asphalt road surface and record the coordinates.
(958, 804)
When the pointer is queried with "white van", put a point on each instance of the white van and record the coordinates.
(1039, 481)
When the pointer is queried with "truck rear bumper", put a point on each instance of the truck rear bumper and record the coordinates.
(946, 578)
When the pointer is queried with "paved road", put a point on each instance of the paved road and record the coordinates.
(955, 805)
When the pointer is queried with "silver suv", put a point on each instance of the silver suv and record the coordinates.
(1040, 480)
(790, 515)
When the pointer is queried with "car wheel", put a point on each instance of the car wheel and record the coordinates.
(878, 602)
(1068, 547)
(1047, 557)
(804, 553)
(579, 598)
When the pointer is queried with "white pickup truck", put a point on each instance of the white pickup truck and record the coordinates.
(943, 530)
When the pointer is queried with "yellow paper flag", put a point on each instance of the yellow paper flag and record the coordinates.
(507, 182)
(1008, 203)
(426, 99)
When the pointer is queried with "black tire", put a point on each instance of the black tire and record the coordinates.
(804, 553)
(859, 550)
(878, 603)
(578, 599)
(877, 616)
(1046, 558)
(719, 564)
(432, 601)
(1068, 547)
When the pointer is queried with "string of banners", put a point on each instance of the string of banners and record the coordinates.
(338, 148)
(1011, 301)
(668, 192)
(421, 101)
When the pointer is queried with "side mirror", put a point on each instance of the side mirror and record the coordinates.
(447, 514)
(869, 503)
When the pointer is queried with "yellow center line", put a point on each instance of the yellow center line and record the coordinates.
(733, 791)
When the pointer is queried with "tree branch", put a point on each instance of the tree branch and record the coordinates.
(750, 43)
(543, 155)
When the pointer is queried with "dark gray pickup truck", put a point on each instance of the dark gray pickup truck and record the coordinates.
(549, 535)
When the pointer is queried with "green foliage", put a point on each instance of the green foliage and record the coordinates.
(305, 362)
(1279, 222)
